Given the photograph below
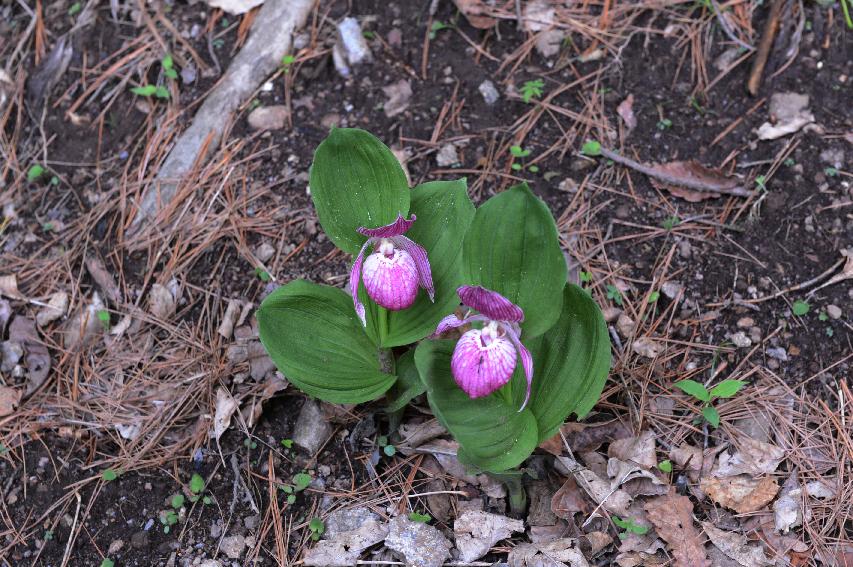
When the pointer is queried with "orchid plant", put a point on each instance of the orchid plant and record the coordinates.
(470, 307)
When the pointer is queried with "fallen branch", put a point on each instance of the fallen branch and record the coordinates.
(767, 37)
(657, 172)
(270, 40)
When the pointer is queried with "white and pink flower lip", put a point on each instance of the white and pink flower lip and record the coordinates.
(395, 269)
(485, 359)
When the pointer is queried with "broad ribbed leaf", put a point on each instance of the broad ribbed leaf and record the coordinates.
(408, 385)
(695, 389)
(493, 435)
(314, 337)
(444, 213)
(570, 362)
(512, 247)
(727, 388)
(356, 181)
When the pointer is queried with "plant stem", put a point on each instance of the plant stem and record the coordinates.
(383, 325)
(386, 357)
(515, 489)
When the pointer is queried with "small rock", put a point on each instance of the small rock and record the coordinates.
(489, 92)
(251, 522)
(395, 37)
(268, 117)
(685, 249)
(139, 540)
(115, 546)
(10, 355)
(233, 546)
(210, 563)
(351, 48)
(329, 120)
(265, 251)
(745, 322)
(548, 42)
(741, 340)
(834, 311)
(398, 94)
(644, 346)
(568, 185)
(778, 353)
(755, 334)
(447, 156)
(161, 303)
(419, 544)
(833, 156)
(625, 325)
(611, 314)
(311, 429)
(671, 289)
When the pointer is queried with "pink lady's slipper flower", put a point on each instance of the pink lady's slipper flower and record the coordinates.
(395, 269)
(484, 359)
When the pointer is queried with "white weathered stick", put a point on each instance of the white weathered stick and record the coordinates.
(270, 39)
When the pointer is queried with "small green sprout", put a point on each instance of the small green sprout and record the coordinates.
(109, 475)
(532, 89)
(831, 171)
(317, 528)
(520, 153)
(177, 501)
(586, 277)
(286, 62)
(75, 9)
(670, 222)
(48, 535)
(830, 331)
(591, 148)
(196, 483)
(420, 518)
(800, 308)
(654, 296)
(725, 389)
(262, 274)
(54, 180)
(104, 318)
(664, 124)
(789, 162)
(761, 183)
(436, 27)
(250, 444)
(207, 500)
(3, 449)
(149, 90)
(301, 481)
(218, 43)
(168, 64)
(287, 443)
(34, 173)
(665, 466)
(823, 316)
(107, 562)
(629, 526)
(168, 518)
(694, 102)
(614, 294)
(368, 34)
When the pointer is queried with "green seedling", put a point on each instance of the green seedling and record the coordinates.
(75, 9)
(665, 466)
(520, 153)
(830, 331)
(196, 483)
(250, 444)
(177, 501)
(286, 62)
(54, 180)
(168, 518)
(3, 449)
(48, 535)
(800, 308)
(586, 277)
(368, 34)
(151, 90)
(301, 481)
(654, 296)
(789, 162)
(725, 389)
(664, 124)
(761, 183)
(387, 448)
(34, 173)
(420, 518)
(831, 171)
(614, 295)
(629, 526)
(287, 443)
(207, 500)
(694, 102)
(317, 528)
(218, 43)
(104, 318)
(109, 475)
(591, 148)
(532, 89)
(823, 316)
(670, 222)
(262, 274)
(168, 64)
(107, 562)
(436, 27)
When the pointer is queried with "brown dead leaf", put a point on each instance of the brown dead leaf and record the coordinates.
(9, 399)
(56, 307)
(563, 552)
(735, 546)
(611, 498)
(399, 94)
(626, 112)
(672, 516)
(687, 457)
(682, 179)
(553, 445)
(226, 327)
(476, 12)
(9, 287)
(226, 405)
(640, 550)
(740, 493)
(582, 437)
(23, 331)
(788, 508)
(753, 458)
(648, 347)
(640, 449)
(476, 532)
(161, 303)
(568, 500)
(103, 278)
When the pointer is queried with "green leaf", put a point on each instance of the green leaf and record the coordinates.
(301, 481)
(591, 148)
(196, 483)
(444, 212)
(109, 475)
(800, 308)
(107, 563)
(638, 529)
(570, 362)
(512, 247)
(161, 92)
(492, 434)
(518, 151)
(314, 337)
(287, 443)
(727, 388)
(389, 450)
(620, 523)
(291, 498)
(356, 181)
(420, 518)
(316, 526)
(695, 389)
(34, 173)
(171, 73)
(711, 415)
(177, 501)
(146, 90)
(408, 385)
(654, 296)
(168, 62)
(665, 466)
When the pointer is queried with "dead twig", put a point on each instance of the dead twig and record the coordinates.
(767, 37)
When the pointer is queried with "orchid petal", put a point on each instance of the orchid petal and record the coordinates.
(396, 228)
(526, 362)
(480, 370)
(391, 281)
(419, 255)
(355, 279)
(490, 303)
(452, 321)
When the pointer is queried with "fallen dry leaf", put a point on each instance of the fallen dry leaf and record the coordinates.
(640, 550)
(740, 493)
(161, 303)
(735, 546)
(692, 181)
(476, 12)
(788, 508)
(610, 497)
(476, 532)
(626, 112)
(5, 314)
(648, 347)
(103, 278)
(9, 399)
(568, 500)
(84, 324)
(399, 94)
(753, 457)
(348, 533)
(23, 331)
(563, 552)
(583, 437)
(226, 405)
(822, 489)
(9, 287)
(416, 543)
(672, 516)
(687, 457)
(56, 307)
(226, 327)
(640, 449)
(553, 445)
(789, 112)
(594, 543)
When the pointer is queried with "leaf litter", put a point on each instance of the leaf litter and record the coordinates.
(672, 516)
